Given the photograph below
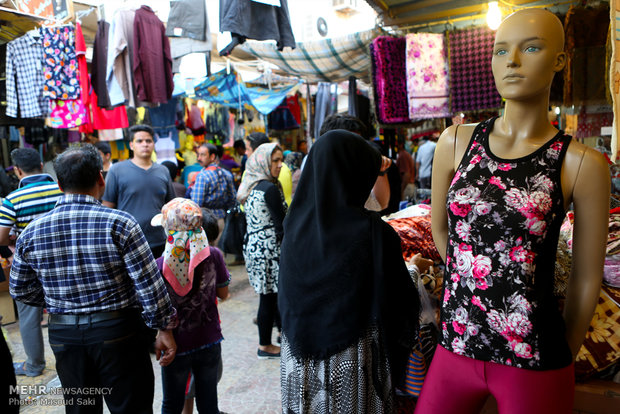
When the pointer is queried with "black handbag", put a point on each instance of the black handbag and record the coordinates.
(234, 231)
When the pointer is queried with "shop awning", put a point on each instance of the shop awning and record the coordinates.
(329, 60)
(227, 88)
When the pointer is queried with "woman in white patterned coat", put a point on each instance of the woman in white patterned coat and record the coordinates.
(265, 208)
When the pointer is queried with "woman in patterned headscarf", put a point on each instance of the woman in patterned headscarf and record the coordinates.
(263, 200)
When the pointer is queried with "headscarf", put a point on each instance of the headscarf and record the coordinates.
(341, 266)
(293, 160)
(186, 243)
(257, 168)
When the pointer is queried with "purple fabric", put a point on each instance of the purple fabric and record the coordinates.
(389, 73)
(199, 321)
(472, 86)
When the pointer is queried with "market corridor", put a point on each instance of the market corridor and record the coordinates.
(248, 385)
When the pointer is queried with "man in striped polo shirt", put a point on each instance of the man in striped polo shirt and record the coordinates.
(37, 194)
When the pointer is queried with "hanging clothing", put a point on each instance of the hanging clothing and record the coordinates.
(111, 135)
(389, 77)
(99, 64)
(60, 67)
(254, 20)
(163, 119)
(472, 86)
(164, 148)
(152, 63)
(67, 113)
(323, 106)
(117, 97)
(586, 36)
(427, 76)
(24, 77)
(122, 53)
(282, 118)
(188, 19)
(108, 119)
(353, 110)
(80, 50)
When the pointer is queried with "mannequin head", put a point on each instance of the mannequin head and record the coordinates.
(528, 52)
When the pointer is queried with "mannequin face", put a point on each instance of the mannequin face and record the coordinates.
(528, 51)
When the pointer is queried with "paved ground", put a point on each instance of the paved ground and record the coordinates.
(248, 385)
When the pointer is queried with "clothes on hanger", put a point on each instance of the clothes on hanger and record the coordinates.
(163, 120)
(152, 67)
(165, 148)
(24, 78)
(99, 64)
(80, 51)
(122, 52)
(252, 20)
(60, 67)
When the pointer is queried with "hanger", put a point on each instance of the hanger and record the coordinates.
(83, 13)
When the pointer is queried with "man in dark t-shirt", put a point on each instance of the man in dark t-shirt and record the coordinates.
(140, 187)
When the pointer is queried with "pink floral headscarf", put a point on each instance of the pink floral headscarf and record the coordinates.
(186, 243)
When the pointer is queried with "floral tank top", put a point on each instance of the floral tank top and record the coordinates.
(504, 218)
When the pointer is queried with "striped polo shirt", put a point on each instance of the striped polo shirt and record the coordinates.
(37, 194)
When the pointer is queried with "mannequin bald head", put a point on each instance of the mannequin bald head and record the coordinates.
(528, 52)
(532, 19)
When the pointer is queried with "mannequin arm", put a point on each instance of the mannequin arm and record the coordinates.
(591, 202)
(443, 171)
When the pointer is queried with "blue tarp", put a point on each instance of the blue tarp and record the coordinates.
(228, 89)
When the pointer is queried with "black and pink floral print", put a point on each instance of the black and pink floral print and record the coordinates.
(504, 220)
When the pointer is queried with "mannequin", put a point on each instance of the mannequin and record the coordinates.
(528, 52)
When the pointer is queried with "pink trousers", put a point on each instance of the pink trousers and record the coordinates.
(456, 384)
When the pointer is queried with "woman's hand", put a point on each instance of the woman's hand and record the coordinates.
(422, 263)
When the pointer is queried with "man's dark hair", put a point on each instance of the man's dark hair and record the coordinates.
(78, 169)
(103, 147)
(26, 159)
(257, 139)
(140, 128)
(344, 121)
(239, 144)
(212, 149)
(172, 168)
(209, 224)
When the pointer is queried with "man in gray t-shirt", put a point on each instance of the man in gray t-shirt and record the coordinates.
(140, 187)
(424, 162)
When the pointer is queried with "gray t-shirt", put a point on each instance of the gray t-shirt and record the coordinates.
(141, 193)
(424, 156)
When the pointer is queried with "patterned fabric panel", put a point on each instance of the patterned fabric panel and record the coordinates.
(390, 79)
(472, 86)
(601, 347)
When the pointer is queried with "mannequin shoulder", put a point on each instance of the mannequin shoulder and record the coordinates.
(585, 160)
(453, 142)
(586, 171)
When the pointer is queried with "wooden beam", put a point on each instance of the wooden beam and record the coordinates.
(440, 15)
(412, 6)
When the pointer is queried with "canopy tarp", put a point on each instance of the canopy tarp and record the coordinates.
(228, 89)
(329, 60)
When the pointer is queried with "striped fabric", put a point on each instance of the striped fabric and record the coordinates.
(329, 60)
(38, 194)
(415, 373)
